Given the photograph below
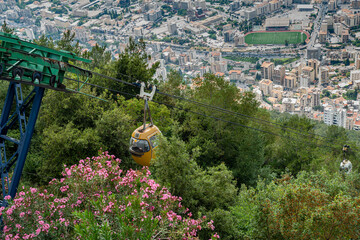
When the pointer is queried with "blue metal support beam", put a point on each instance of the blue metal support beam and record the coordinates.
(25, 127)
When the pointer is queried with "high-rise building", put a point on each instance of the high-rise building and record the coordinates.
(304, 81)
(172, 28)
(315, 64)
(322, 36)
(229, 36)
(313, 53)
(309, 72)
(279, 75)
(267, 70)
(266, 86)
(335, 116)
(290, 82)
(354, 75)
(323, 75)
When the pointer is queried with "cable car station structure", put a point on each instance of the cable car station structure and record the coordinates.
(23, 62)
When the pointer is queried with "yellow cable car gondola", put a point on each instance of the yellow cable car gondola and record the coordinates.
(143, 139)
(143, 143)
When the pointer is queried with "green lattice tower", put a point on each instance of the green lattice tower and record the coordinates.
(25, 62)
(30, 63)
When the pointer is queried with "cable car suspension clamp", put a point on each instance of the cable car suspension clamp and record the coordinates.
(144, 95)
(147, 97)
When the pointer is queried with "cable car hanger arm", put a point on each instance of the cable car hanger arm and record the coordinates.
(147, 97)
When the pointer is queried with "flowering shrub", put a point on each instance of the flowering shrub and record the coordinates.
(97, 200)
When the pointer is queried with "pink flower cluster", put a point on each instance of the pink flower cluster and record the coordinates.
(100, 186)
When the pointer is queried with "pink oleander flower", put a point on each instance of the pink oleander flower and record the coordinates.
(64, 188)
(132, 195)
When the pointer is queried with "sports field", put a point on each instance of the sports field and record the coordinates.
(261, 38)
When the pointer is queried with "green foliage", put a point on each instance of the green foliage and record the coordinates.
(242, 59)
(312, 206)
(325, 93)
(6, 29)
(292, 151)
(212, 36)
(182, 12)
(45, 41)
(283, 61)
(220, 141)
(351, 94)
(66, 43)
(132, 66)
(319, 108)
(206, 192)
(96, 199)
(99, 56)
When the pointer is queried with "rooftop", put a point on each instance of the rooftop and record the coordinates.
(277, 22)
(266, 64)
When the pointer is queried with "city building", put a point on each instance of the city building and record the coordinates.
(266, 86)
(309, 72)
(277, 24)
(289, 82)
(354, 75)
(279, 75)
(345, 36)
(267, 70)
(313, 53)
(335, 116)
(304, 81)
(315, 64)
(323, 75)
(322, 36)
(229, 36)
(235, 76)
(305, 7)
(288, 104)
(172, 28)
(239, 39)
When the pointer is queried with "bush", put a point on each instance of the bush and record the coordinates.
(313, 206)
(97, 200)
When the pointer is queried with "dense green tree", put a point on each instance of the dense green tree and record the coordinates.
(132, 66)
(45, 41)
(6, 29)
(99, 56)
(317, 205)
(67, 43)
(222, 141)
(295, 149)
(211, 191)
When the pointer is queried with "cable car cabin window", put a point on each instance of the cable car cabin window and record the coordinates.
(139, 145)
(153, 141)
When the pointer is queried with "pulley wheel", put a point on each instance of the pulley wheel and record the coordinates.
(17, 72)
(37, 76)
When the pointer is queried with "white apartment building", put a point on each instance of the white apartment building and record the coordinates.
(354, 75)
(335, 116)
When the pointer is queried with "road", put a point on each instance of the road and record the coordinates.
(317, 25)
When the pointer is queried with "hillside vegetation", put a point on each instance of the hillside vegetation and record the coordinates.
(252, 184)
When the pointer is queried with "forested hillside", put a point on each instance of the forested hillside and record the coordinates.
(254, 179)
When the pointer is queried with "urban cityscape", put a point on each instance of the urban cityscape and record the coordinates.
(298, 56)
